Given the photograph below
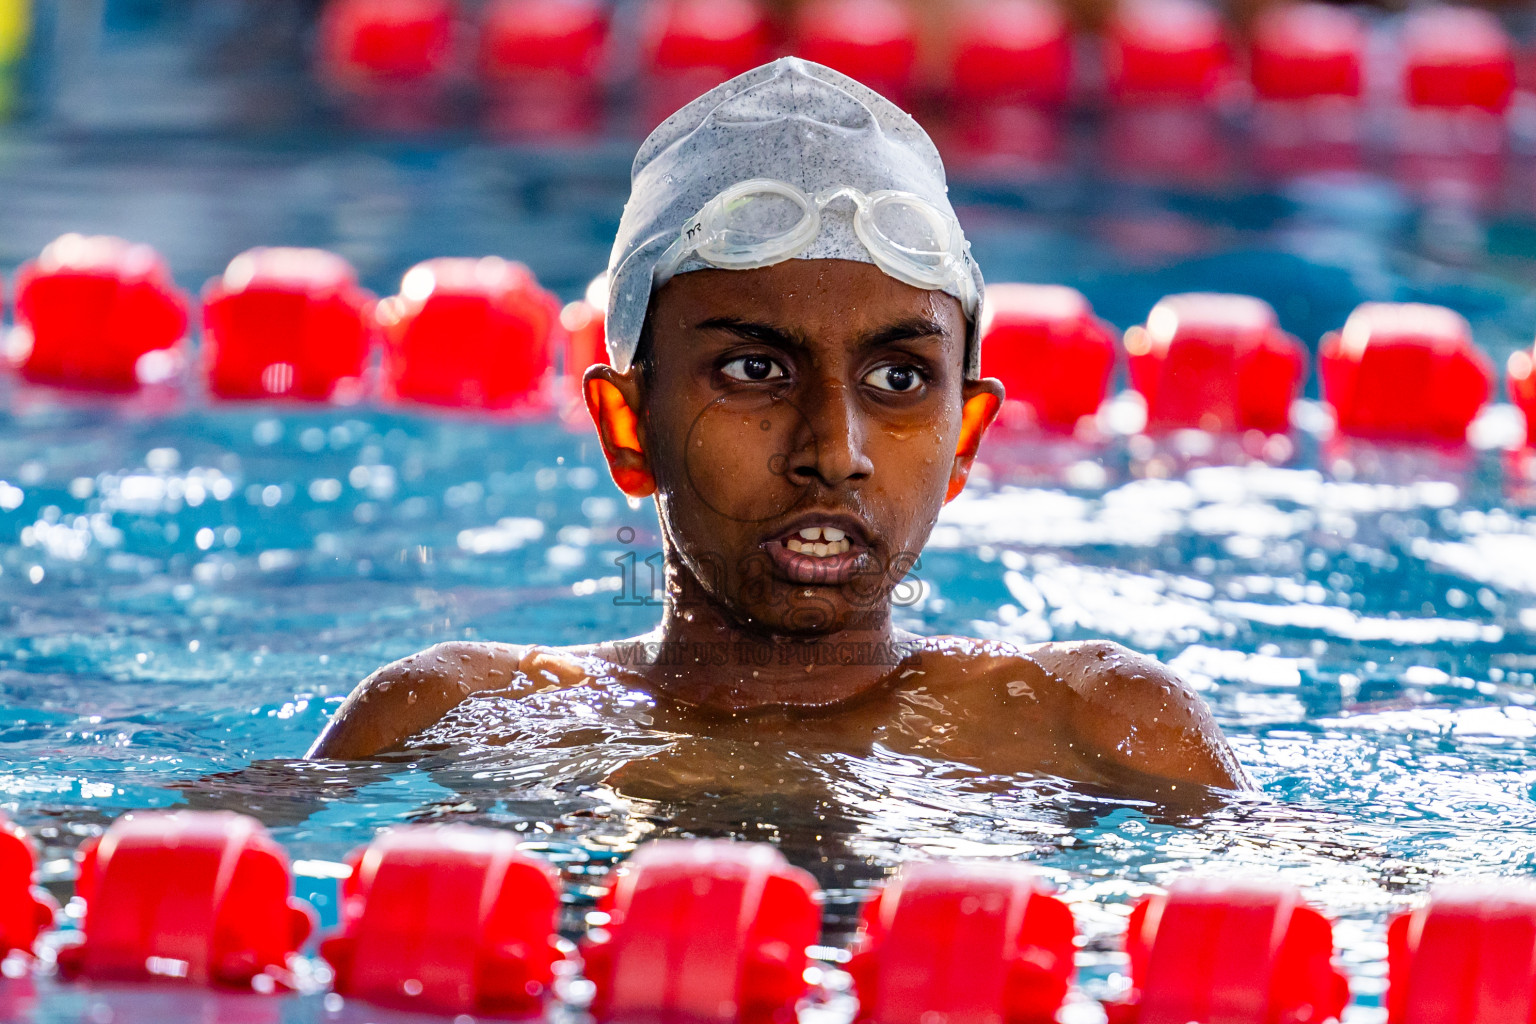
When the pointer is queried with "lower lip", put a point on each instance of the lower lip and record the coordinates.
(831, 570)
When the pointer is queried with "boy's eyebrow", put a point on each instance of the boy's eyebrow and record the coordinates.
(905, 329)
(763, 333)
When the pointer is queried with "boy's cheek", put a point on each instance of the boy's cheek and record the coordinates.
(737, 457)
(916, 461)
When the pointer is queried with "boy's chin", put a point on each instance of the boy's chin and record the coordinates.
(807, 618)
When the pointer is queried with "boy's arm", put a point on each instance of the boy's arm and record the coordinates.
(406, 696)
(1135, 713)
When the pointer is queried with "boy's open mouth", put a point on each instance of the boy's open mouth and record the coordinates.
(819, 548)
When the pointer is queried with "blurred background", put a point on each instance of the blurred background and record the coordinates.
(1304, 148)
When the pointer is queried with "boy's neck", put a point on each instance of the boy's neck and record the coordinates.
(706, 659)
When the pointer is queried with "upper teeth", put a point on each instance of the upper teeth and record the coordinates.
(820, 541)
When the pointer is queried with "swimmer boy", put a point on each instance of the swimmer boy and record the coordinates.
(792, 332)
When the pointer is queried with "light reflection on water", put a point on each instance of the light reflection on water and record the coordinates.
(186, 596)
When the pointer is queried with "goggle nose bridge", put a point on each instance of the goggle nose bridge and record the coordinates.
(827, 196)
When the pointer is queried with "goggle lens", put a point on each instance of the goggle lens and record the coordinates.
(759, 218)
(755, 223)
(918, 231)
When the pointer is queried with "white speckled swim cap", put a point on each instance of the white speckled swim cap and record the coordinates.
(790, 120)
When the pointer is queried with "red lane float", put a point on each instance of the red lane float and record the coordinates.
(523, 38)
(582, 321)
(468, 333)
(97, 312)
(585, 339)
(287, 323)
(25, 910)
(1457, 57)
(1306, 50)
(1404, 372)
(1049, 350)
(1165, 51)
(542, 63)
(1012, 50)
(873, 41)
(368, 43)
(690, 46)
(448, 920)
(703, 931)
(965, 942)
(1305, 62)
(1217, 362)
(721, 37)
(1522, 388)
(203, 896)
(1468, 957)
(1230, 951)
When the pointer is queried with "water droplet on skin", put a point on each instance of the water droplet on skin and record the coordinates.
(384, 685)
(410, 698)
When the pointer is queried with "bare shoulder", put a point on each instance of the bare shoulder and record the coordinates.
(1135, 712)
(406, 696)
(1120, 712)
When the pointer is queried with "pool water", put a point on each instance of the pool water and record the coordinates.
(188, 589)
(189, 594)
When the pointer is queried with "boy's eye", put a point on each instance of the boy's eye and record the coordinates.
(752, 368)
(894, 378)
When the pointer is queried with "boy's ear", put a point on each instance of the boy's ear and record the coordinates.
(983, 399)
(613, 400)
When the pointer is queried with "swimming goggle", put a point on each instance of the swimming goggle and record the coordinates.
(761, 222)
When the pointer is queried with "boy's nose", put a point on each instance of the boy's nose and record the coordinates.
(830, 447)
